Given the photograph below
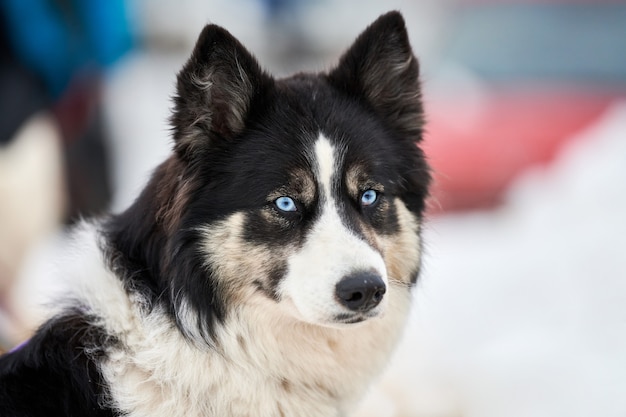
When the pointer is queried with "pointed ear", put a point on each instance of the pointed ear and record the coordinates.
(215, 91)
(380, 69)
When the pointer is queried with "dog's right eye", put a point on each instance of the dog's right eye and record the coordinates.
(368, 198)
(285, 204)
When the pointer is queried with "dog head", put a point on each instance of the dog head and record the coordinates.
(306, 192)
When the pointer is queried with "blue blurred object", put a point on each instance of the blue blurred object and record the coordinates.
(53, 56)
(57, 39)
(281, 7)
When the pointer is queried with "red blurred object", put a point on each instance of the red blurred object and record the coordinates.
(477, 147)
(517, 80)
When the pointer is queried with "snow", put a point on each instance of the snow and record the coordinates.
(521, 310)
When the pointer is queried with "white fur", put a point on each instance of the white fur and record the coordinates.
(330, 253)
(326, 160)
(285, 368)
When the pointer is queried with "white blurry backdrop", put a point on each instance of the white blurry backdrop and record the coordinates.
(521, 309)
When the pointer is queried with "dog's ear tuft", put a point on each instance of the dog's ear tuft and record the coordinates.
(381, 69)
(215, 91)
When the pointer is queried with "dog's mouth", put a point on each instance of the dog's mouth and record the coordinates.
(353, 318)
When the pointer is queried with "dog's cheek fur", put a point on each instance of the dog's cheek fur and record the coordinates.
(241, 268)
(402, 250)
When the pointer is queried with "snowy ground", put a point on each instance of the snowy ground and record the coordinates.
(520, 311)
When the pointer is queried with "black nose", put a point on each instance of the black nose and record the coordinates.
(361, 291)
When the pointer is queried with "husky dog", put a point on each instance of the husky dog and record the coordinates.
(266, 269)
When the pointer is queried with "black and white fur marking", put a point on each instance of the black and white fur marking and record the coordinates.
(266, 268)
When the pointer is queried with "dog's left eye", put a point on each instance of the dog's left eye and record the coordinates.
(286, 204)
(368, 198)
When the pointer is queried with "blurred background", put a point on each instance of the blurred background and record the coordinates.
(521, 308)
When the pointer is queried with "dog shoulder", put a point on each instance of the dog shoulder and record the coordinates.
(57, 369)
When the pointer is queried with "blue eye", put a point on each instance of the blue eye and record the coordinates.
(368, 198)
(285, 204)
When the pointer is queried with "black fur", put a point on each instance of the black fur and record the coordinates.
(56, 372)
(238, 133)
